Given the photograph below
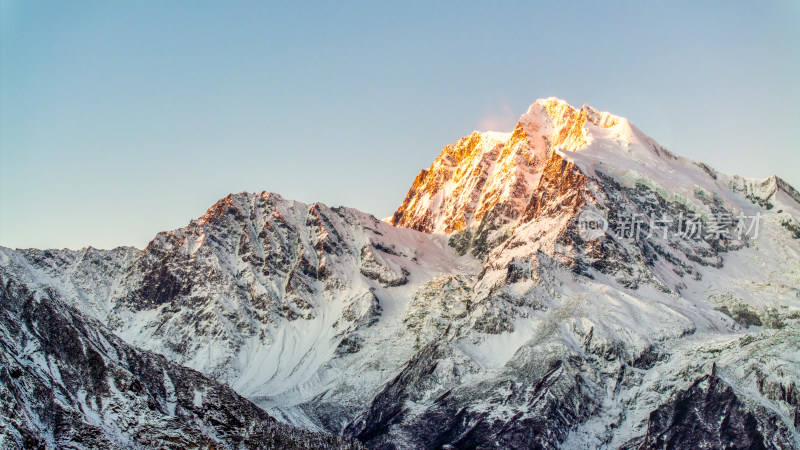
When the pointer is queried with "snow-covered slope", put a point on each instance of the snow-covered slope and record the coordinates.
(68, 382)
(579, 335)
(589, 289)
(268, 295)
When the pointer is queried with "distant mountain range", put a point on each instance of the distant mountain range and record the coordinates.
(569, 284)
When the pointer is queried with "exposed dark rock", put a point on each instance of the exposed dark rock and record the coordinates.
(66, 382)
(709, 414)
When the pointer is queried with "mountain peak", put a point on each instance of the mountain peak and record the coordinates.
(234, 201)
(490, 172)
(479, 173)
(564, 123)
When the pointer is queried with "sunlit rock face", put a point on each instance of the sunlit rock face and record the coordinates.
(494, 172)
(488, 316)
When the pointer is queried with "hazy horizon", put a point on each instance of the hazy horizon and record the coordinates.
(118, 121)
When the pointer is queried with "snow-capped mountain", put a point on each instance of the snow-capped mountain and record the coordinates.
(571, 283)
(487, 178)
(273, 297)
(583, 336)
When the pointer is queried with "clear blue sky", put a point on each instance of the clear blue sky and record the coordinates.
(122, 119)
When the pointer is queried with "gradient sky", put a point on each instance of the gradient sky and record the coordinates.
(122, 119)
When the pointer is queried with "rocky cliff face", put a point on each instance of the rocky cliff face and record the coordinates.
(281, 300)
(488, 178)
(67, 382)
(709, 413)
(583, 287)
(480, 173)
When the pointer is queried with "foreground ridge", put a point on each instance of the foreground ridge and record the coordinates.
(68, 382)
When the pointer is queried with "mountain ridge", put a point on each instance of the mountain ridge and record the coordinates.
(508, 324)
